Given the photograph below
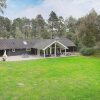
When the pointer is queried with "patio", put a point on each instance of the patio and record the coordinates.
(34, 57)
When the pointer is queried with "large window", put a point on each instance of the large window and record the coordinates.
(28, 49)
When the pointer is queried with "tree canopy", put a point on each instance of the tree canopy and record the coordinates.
(84, 31)
(2, 5)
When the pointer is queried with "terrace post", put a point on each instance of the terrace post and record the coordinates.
(50, 50)
(38, 52)
(55, 49)
(65, 51)
(4, 56)
(60, 51)
(47, 52)
(35, 52)
(44, 53)
(9, 52)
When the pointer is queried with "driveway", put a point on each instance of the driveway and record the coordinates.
(32, 57)
(20, 58)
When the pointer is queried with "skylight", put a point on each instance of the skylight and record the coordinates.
(24, 42)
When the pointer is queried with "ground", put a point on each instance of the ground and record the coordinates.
(68, 78)
(21, 57)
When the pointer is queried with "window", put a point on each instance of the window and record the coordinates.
(13, 50)
(28, 49)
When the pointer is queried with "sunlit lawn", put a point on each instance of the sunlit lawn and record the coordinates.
(70, 78)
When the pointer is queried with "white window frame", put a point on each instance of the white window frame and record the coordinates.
(13, 50)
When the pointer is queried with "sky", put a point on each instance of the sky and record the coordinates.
(65, 8)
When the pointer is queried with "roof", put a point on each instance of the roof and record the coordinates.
(35, 43)
(41, 44)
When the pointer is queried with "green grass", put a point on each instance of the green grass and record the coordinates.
(70, 78)
(97, 54)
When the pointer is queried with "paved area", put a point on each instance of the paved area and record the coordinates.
(31, 57)
(20, 58)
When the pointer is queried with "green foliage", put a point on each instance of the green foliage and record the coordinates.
(53, 24)
(97, 23)
(71, 24)
(87, 51)
(61, 27)
(34, 28)
(5, 27)
(88, 40)
(84, 31)
(40, 26)
(18, 33)
(53, 17)
(2, 5)
(87, 30)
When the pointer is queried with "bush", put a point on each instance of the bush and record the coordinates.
(87, 51)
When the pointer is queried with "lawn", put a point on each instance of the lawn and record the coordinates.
(70, 78)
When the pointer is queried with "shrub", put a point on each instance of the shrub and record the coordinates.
(87, 51)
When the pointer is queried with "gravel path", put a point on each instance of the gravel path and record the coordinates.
(20, 58)
(29, 57)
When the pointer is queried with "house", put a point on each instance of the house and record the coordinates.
(40, 47)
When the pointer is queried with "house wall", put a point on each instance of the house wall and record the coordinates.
(17, 52)
(1, 53)
(70, 49)
(34, 51)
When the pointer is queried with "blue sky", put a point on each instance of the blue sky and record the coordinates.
(65, 8)
(14, 7)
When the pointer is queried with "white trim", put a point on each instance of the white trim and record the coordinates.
(55, 49)
(55, 42)
(60, 50)
(38, 52)
(65, 52)
(13, 50)
(44, 53)
(62, 44)
(5, 54)
(49, 45)
(50, 50)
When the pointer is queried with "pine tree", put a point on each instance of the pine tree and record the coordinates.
(53, 24)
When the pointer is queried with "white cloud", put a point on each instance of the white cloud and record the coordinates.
(65, 8)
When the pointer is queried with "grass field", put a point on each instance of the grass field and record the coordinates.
(70, 78)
